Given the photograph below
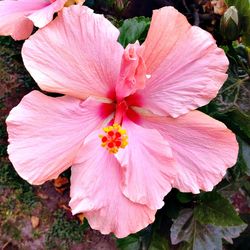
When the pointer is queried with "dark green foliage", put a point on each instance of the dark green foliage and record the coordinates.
(153, 237)
(232, 104)
(193, 234)
(133, 29)
(242, 167)
(204, 227)
(146, 239)
(214, 209)
(159, 242)
(132, 242)
(10, 57)
(11, 230)
(64, 232)
(10, 179)
(184, 197)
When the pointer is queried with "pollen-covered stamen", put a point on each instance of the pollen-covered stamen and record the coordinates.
(71, 2)
(115, 138)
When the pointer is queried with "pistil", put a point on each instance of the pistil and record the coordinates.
(115, 136)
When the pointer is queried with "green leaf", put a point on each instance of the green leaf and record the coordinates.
(240, 121)
(184, 197)
(241, 5)
(242, 166)
(246, 155)
(133, 29)
(216, 210)
(232, 104)
(158, 242)
(181, 229)
(200, 236)
(132, 242)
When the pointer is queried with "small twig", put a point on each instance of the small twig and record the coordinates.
(185, 5)
(240, 81)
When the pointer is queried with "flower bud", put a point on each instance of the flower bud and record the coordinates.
(229, 24)
(120, 4)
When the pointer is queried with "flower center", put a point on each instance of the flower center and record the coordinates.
(115, 138)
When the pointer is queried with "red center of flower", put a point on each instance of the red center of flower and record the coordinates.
(133, 75)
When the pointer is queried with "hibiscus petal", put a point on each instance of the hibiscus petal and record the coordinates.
(21, 29)
(45, 134)
(166, 28)
(96, 191)
(45, 15)
(13, 19)
(186, 66)
(203, 149)
(146, 161)
(76, 54)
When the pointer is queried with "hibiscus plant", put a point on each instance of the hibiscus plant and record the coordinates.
(139, 117)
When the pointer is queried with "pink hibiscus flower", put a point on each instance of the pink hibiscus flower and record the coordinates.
(17, 17)
(126, 123)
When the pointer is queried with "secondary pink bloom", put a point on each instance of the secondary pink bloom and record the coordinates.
(17, 17)
(142, 96)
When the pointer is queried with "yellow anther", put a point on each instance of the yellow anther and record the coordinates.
(71, 2)
(115, 137)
